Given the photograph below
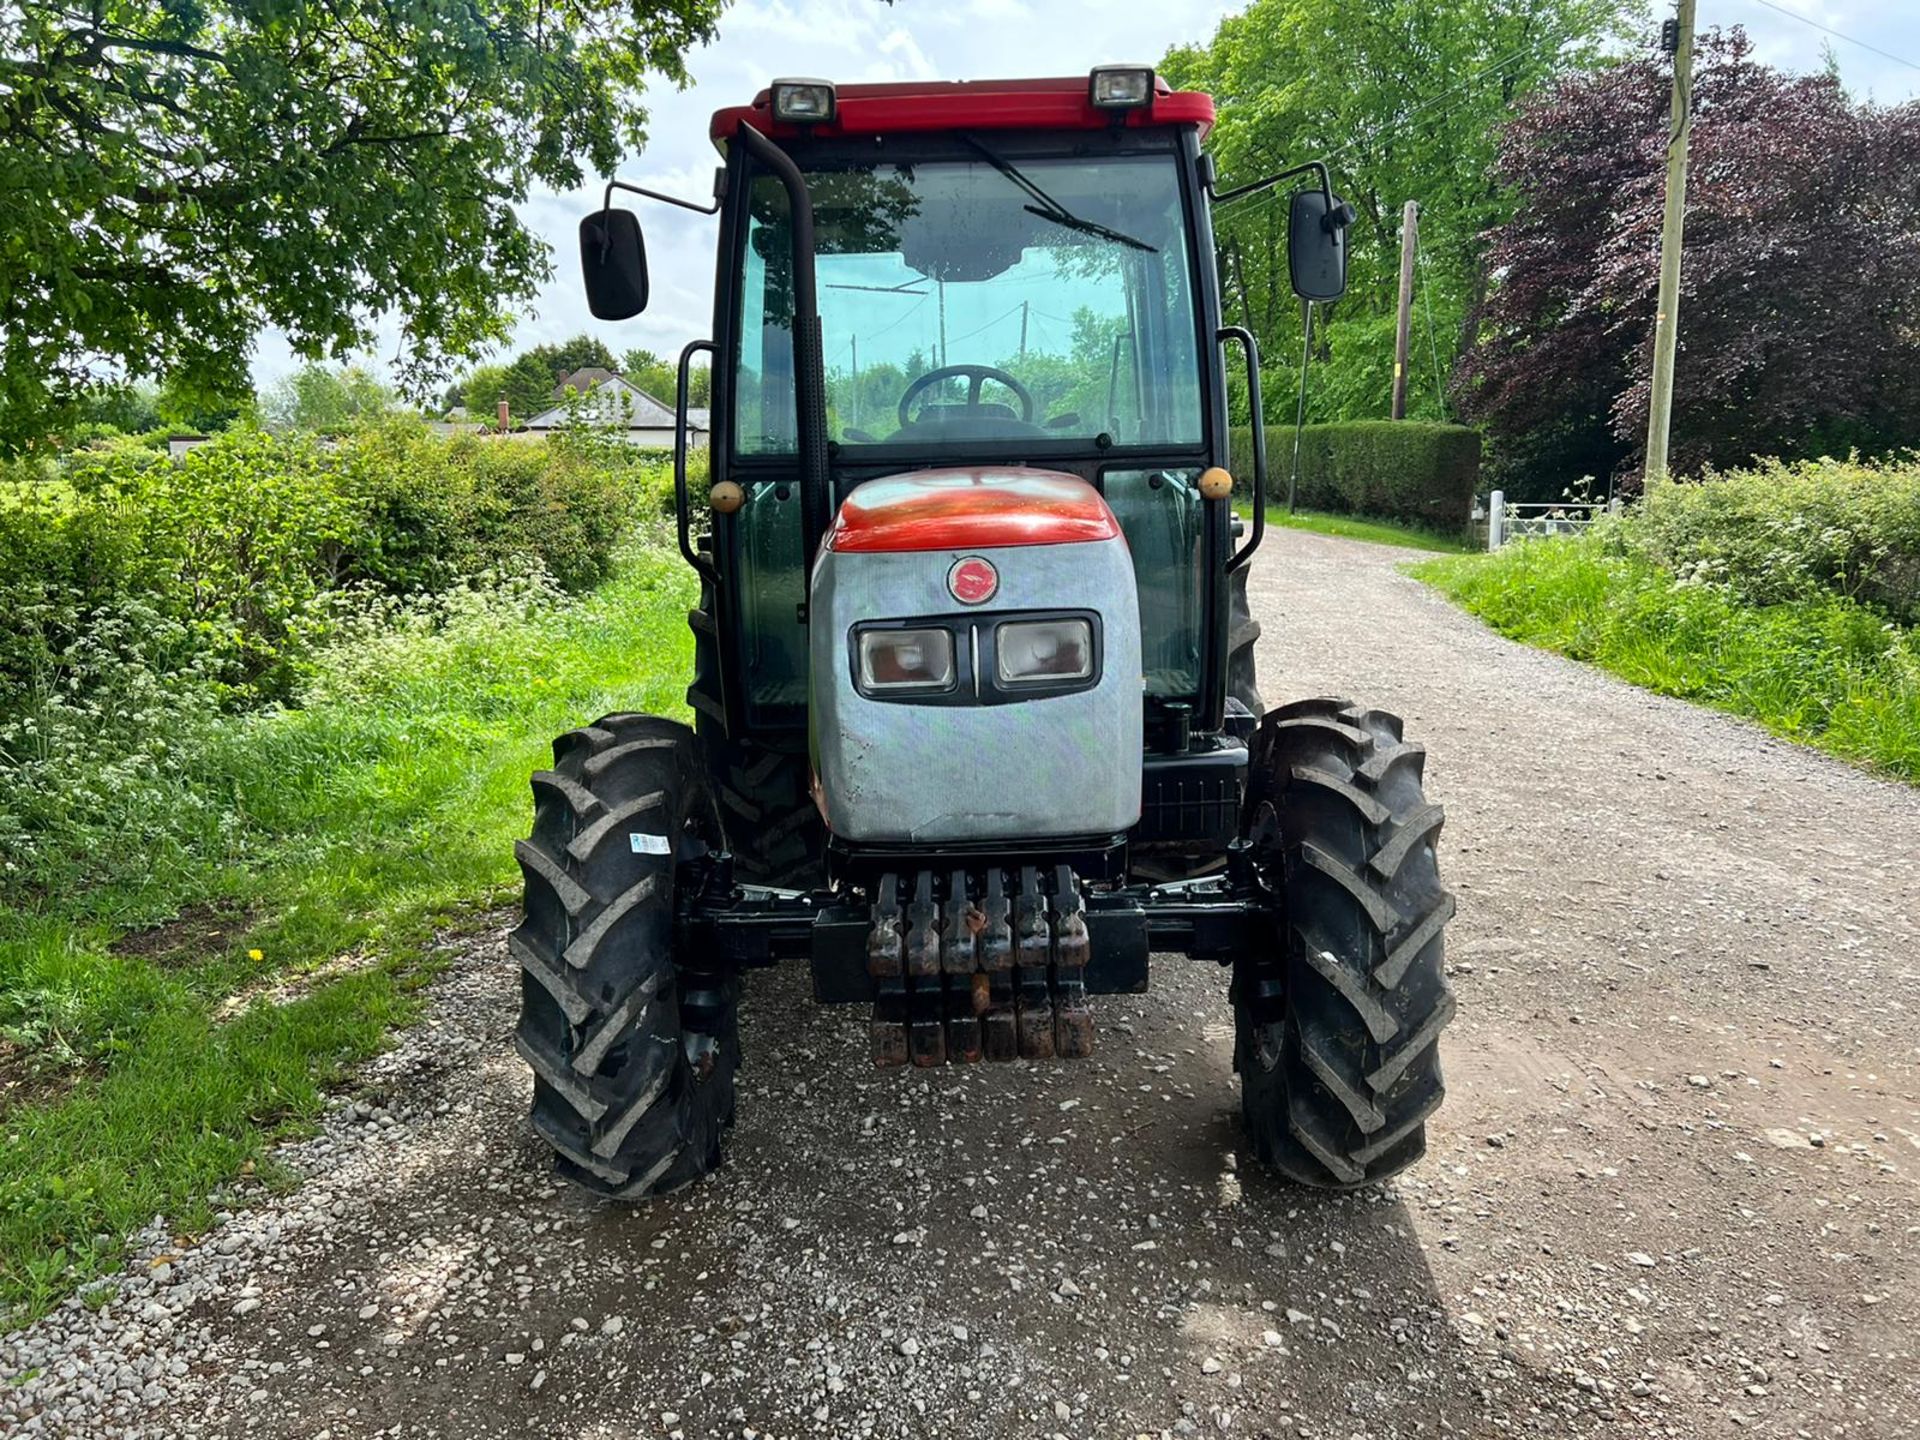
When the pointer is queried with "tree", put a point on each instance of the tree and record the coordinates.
(181, 405)
(1799, 284)
(580, 353)
(129, 408)
(529, 383)
(1403, 98)
(319, 397)
(661, 378)
(179, 176)
(528, 386)
(481, 391)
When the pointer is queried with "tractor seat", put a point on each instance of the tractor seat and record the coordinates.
(936, 424)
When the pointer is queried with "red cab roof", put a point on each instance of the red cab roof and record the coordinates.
(974, 508)
(918, 105)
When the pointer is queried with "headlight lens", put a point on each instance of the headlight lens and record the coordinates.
(906, 660)
(803, 102)
(1035, 651)
(1121, 87)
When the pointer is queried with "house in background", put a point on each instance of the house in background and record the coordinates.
(600, 397)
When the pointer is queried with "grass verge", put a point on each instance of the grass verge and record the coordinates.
(384, 808)
(1380, 532)
(1825, 671)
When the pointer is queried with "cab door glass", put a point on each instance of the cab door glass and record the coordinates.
(1164, 519)
(773, 584)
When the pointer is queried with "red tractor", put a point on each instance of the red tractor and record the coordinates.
(975, 722)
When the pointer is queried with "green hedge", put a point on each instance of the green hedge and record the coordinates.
(1791, 531)
(233, 563)
(1402, 470)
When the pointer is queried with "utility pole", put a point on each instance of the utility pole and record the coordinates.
(1403, 332)
(855, 421)
(1023, 328)
(1677, 35)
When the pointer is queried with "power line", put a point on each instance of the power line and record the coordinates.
(902, 320)
(1512, 57)
(989, 325)
(1827, 30)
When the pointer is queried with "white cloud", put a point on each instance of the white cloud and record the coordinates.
(863, 40)
(1799, 44)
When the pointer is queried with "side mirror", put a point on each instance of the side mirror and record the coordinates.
(613, 258)
(1317, 246)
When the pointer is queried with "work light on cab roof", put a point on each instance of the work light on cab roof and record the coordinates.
(802, 102)
(976, 728)
(1121, 87)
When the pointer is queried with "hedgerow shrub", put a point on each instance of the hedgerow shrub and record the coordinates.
(145, 599)
(1398, 469)
(435, 509)
(235, 561)
(1781, 532)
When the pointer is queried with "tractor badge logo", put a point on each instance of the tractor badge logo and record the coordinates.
(973, 580)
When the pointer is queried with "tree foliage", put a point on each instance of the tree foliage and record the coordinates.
(180, 174)
(660, 377)
(1799, 284)
(530, 381)
(324, 399)
(579, 353)
(1404, 99)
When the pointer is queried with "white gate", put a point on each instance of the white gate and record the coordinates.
(1511, 520)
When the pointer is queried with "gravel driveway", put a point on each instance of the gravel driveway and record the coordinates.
(1672, 1192)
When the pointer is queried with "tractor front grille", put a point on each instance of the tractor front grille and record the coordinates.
(969, 967)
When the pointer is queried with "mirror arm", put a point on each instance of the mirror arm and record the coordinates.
(1252, 349)
(1254, 187)
(682, 504)
(606, 203)
(606, 200)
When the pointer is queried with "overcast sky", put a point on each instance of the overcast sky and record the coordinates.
(855, 40)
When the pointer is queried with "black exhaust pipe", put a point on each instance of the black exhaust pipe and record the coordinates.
(809, 358)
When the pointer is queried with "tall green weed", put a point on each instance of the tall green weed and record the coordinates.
(1781, 532)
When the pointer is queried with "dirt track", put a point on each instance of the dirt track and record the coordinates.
(1672, 1192)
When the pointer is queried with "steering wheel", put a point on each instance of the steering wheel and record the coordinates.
(978, 375)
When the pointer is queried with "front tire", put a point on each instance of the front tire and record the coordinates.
(1243, 684)
(1336, 1035)
(633, 1050)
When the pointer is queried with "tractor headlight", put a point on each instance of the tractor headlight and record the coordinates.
(906, 660)
(803, 102)
(1043, 651)
(1120, 87)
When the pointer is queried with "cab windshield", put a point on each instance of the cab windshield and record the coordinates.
(982, 299)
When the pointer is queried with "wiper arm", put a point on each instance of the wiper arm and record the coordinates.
(1068, 220)
(1050, 209)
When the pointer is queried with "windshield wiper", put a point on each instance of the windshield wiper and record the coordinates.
(1050, 209)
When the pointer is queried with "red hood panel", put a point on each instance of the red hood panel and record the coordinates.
(970, 509)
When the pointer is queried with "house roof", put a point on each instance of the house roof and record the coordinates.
(583, 380)
(640, 410)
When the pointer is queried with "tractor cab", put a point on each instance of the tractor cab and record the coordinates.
(1008, 279)
(976, 727)
(1016, 292)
